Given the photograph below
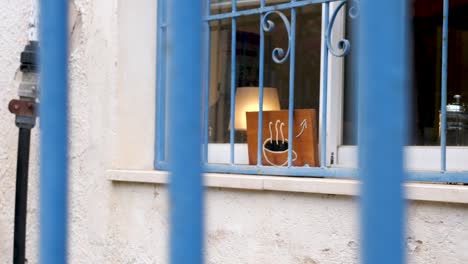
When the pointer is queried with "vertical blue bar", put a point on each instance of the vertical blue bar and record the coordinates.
(53, 131)
(160, 137)
(383, 99)
(233, 80)
(260, 88)
(206, 112)
(443, 96)
(292, 63)
(323, 128)
(185, 81)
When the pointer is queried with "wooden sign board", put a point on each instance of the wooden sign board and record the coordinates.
(275, 138)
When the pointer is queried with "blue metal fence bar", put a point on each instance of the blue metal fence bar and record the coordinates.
(282, 171)
(260, 87)
(233, 80)
(265, 9)
(160, 137)
(207, 64)
(438, 177)
(323, 125)
(333, 172)
(53, 131)
(336, 172)
(186, 191)
(443, 95)
(383, 74)
(292, 63)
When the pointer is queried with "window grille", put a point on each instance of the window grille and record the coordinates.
(285, 13)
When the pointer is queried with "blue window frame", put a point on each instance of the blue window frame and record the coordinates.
(231, 14)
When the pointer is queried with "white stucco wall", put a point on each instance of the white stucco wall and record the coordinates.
(112, 69)
(271, 227)
(14, 19)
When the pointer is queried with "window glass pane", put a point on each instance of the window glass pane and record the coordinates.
(224, 6)
(350, 87)
(307, 73)
(426, 88)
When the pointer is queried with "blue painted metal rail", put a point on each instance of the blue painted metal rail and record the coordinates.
(266, 9)
(383, 91)
(292, 64)
(160, 140)
(323, 103)
(185, 152)
(261, 87)
(53, 131)
(233, 79)
(206, 84)
(443, 87)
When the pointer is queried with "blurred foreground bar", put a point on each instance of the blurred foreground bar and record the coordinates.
(53, 131)
(383, 98)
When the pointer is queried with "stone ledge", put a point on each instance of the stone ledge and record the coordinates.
(414, 191)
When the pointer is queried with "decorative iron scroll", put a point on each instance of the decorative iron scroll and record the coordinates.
(343, 44)
(278, 54)
(353, 8)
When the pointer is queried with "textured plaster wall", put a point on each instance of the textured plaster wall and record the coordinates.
(112, 126)
(93, 63)
(14, 19)
(272, 227)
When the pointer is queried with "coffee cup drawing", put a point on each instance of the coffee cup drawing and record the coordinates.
(275, 149)
(281, 135)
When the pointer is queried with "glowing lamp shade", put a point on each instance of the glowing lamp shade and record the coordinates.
(247, 101)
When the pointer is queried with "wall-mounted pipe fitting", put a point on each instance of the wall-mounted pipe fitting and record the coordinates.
(25, 107)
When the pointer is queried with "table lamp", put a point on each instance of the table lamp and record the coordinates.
(247, 101)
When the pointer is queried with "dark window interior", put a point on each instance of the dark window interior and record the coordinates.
(426, 53)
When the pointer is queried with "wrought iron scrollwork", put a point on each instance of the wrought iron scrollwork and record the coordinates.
(353, 8)
(343, 45)
(278, 55)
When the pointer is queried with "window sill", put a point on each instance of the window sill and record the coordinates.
(414, 191)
